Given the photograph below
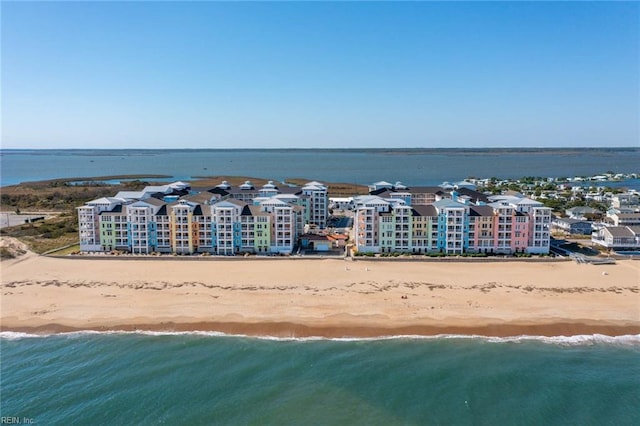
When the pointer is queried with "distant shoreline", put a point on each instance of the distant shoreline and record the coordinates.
(413, 166)
(372, 149)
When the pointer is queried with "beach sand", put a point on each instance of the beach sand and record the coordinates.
(320, 297)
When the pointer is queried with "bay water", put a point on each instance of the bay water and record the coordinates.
(358, 166)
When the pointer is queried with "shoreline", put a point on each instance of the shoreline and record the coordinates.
(330, 298)
(287, 330)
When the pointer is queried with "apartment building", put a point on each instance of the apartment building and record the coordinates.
(223, 221)
(453, 224)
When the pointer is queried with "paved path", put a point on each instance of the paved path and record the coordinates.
(12, 219)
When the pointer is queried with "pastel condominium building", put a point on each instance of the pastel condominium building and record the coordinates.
(224, 220)
(451, 220)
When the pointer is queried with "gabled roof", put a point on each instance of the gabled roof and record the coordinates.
(130, 195)
(116, 209)
(427, 210)
(447, 203)
(251, 210)
(230, 202)
(619, 231)
(274, 202)
(474, 196)
(501, 204)
(182, 203)
(529, 202)
(635, 229)
(153, 201)
(480, 211)
(202, 197)
(369, 199)
(165, 189)
(105, 200)
(314, 188)
(179, 185)
(583, 210)
(382, 192)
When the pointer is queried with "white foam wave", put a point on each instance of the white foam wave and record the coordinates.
(14, 335)
(577, 340)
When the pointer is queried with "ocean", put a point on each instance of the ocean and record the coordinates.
(204, 379)
(358, 166)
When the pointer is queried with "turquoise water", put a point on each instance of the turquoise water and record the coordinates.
(204, 379)
(361, 166)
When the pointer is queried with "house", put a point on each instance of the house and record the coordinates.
(316, 242)
(617, 237)
(572, 226)
(583, 213)
(618, 218)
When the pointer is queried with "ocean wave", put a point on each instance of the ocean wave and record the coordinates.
(577, 340)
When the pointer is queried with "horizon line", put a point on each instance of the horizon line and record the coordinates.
(323, 149)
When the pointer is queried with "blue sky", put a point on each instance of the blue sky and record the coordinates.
(305, 75)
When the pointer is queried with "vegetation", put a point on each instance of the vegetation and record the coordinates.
(440, 254)
(336, 189)
(60, 194)
(46, 235)
(8, 253)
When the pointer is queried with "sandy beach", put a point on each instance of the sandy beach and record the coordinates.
(320, 297)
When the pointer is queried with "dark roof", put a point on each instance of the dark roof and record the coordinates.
(218, 191)
(116, 209)
(197, 211)
(474, 195)
(382, 192)
(162, 211)
(635, 229)
(423, 189)
(154, 201)
(294, 190)
(427, 210)
(583, 209)
(314, 237)
(620, 231)
(480, 211)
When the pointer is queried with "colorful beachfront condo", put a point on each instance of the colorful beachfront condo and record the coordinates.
(223, 220)
(451, 220)
(393, 218)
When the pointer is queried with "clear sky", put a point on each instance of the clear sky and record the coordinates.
(306, 75)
